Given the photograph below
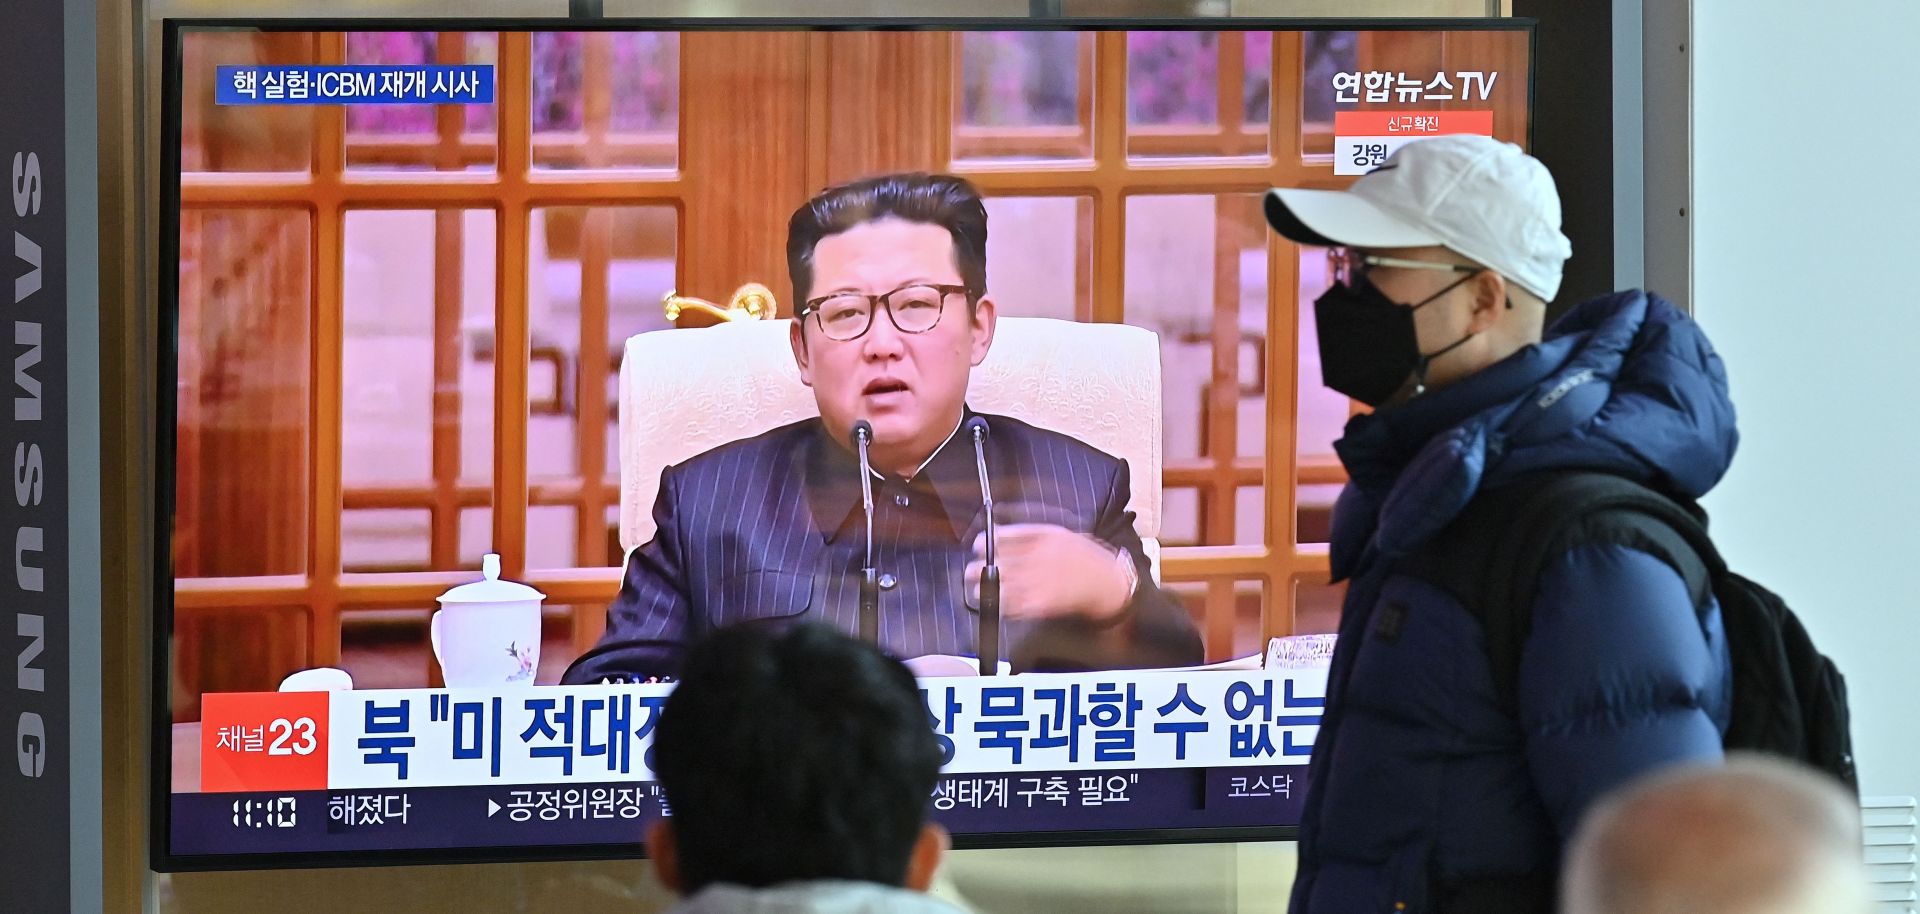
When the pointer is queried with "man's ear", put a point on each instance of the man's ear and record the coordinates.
(666, 856)
(797, 337)
(985, 318)
(1489, 300)
(928, 851)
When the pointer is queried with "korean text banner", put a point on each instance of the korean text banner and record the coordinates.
(601, 734)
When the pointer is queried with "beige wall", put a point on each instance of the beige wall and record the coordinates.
(1821, 500)
(1166, 879)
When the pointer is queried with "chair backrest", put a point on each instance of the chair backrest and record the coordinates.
(683, 392)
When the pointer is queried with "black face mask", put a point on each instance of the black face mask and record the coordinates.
(1368, 346)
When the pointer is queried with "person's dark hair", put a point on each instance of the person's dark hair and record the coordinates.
(794, 756)
(943, 200)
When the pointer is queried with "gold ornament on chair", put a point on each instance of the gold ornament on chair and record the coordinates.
(750, 302)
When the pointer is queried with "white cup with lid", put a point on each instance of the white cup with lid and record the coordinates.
(487, 633)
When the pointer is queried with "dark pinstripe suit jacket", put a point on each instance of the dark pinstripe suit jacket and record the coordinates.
(769, 530)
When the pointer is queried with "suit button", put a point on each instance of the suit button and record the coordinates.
(902, 500)
(888, 582)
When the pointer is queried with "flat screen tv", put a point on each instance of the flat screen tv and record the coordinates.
(442, 299)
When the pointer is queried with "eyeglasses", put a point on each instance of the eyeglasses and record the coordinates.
(1350, 266)
(845, 316)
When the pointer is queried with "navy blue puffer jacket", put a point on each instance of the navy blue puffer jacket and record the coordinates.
(1420, 784)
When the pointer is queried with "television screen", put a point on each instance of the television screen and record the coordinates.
(491, 400)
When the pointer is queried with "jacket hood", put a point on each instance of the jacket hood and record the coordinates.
(1625, 384)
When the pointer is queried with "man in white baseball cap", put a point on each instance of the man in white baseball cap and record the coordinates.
(1460, 219)
(1478, 701)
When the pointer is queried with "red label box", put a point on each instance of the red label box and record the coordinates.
(1411, 123)
(263, 741)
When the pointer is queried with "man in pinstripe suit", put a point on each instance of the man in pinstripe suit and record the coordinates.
(769, 529)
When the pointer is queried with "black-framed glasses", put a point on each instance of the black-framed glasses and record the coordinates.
(1350, 266)
(916, 308)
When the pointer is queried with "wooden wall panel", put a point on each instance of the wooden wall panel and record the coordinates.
(743, 118)
(1507, 53)
(883, 102)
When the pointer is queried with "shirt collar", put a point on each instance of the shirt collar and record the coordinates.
(922, 468)
(832, 482)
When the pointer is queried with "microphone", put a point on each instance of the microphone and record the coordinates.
(989, 637)
(869, 582)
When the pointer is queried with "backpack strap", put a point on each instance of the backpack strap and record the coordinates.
(1490, 559)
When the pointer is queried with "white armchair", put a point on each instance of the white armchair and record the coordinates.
(683, 392)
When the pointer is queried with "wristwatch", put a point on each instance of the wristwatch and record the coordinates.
(1131, 575)
(1125, 560)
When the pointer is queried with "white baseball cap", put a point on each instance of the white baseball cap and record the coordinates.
(1477, 196)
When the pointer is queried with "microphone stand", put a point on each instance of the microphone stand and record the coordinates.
(869, 581)
(989, 637)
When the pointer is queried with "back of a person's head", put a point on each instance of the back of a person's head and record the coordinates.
(794, 756)
(1755, 836)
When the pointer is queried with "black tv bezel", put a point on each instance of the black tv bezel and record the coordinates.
(160, 805)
